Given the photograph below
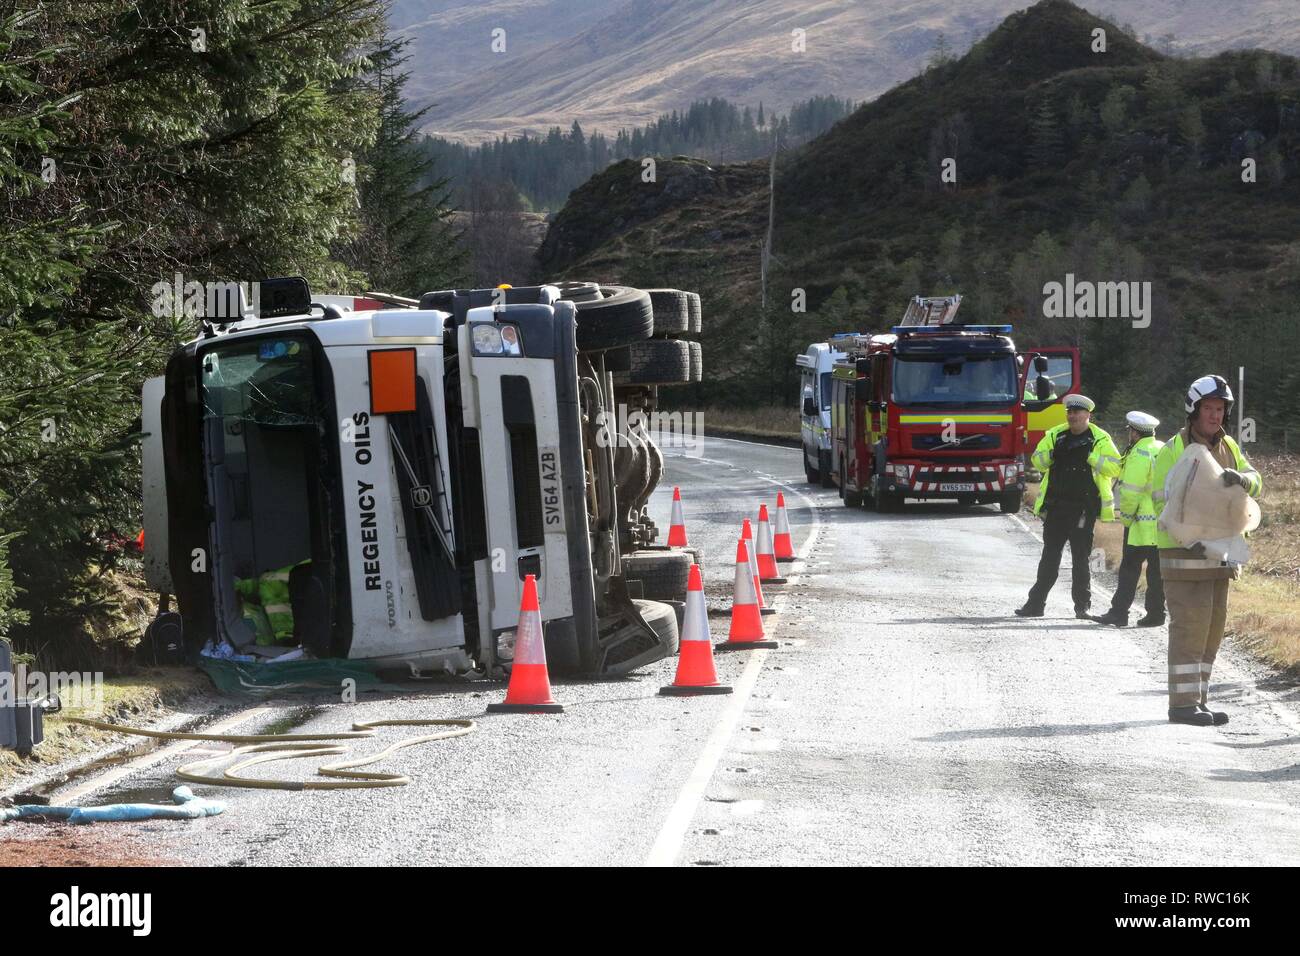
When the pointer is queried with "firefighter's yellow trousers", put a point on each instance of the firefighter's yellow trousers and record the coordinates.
(1198, 611)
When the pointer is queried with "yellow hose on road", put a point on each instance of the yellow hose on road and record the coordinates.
(273, 747)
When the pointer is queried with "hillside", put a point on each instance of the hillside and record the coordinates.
(1125, 166)
(613, 63)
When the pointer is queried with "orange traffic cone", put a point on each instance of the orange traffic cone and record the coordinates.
(766, 558)
(530, 686)
(677, 524)
(782, 544)
(695, 671)
(747, 534)
(746, 621)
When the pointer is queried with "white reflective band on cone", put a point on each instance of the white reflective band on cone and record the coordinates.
(530, 645)
(782, 522)
(677, 517)
(744, 590)
(764, 538)
(695, 624)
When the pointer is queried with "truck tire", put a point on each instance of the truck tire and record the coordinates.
(663, 574)
(617, 360)
(1010, 503)
(693, 299)
(812, 474)
(672, 311)
(663, 621)
(852, 499)
(578, 291)
(621, 316)
(656, 362)
(697, 361)
(824, 469)
(886, 501)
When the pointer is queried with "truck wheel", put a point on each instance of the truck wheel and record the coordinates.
(672, 311)
(824, 460)
(1010, 503)
(621, 316)
(663, 621)
(617, 360)
(656, 362)
(852, 499)
(696, 312)
(663, 574)
(697, 361)
(578, 291)
(885, 501)
(812, 474)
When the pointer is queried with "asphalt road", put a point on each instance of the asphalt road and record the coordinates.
(906, 718)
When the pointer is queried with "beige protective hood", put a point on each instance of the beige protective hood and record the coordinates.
(1198, 508)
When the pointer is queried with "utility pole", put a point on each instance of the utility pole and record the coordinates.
(1241, 398)
(771, 218)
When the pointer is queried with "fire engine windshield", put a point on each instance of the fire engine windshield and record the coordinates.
(970, 379)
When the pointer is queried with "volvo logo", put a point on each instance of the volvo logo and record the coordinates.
(421, 496)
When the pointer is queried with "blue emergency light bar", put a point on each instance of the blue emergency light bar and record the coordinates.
(949, 329)
(845, 335)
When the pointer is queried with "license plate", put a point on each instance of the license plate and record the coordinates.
(552, 506)
(968, 486)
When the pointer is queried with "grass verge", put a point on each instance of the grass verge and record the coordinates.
(127, 699)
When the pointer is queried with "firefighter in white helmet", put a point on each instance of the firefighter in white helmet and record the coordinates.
(1078, 461)
(1138, 515)
(1196, 586)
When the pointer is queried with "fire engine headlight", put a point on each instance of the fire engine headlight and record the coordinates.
(487, 340)
(900, 472)
(1010, 472)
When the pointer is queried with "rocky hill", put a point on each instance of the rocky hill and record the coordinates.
(1118, 166)
(613, 63)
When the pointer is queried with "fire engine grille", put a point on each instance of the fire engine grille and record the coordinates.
(984, 479)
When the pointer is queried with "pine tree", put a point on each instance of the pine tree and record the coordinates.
(219, 155)
(1046, 141)
(405, 242)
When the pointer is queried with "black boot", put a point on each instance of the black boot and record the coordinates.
(1151, 621)
(1219, 717)
(1030, 610)
(1081, 612)
(1191, 715)
(1113, 617)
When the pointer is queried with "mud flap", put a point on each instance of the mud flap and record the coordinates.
(626, 640)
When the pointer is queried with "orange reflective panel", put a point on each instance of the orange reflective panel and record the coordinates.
(392, 381)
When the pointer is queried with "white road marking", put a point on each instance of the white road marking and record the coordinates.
(668, 844)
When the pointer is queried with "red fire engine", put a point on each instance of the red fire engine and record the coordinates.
(933, 409)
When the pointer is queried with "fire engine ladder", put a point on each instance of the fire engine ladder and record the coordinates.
(932, 310)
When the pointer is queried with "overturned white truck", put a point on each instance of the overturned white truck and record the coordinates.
(374, 484)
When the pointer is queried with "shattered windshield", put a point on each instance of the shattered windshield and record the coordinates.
(268, 382)
(961, 379)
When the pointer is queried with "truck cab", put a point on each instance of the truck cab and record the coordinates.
(375, 484)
